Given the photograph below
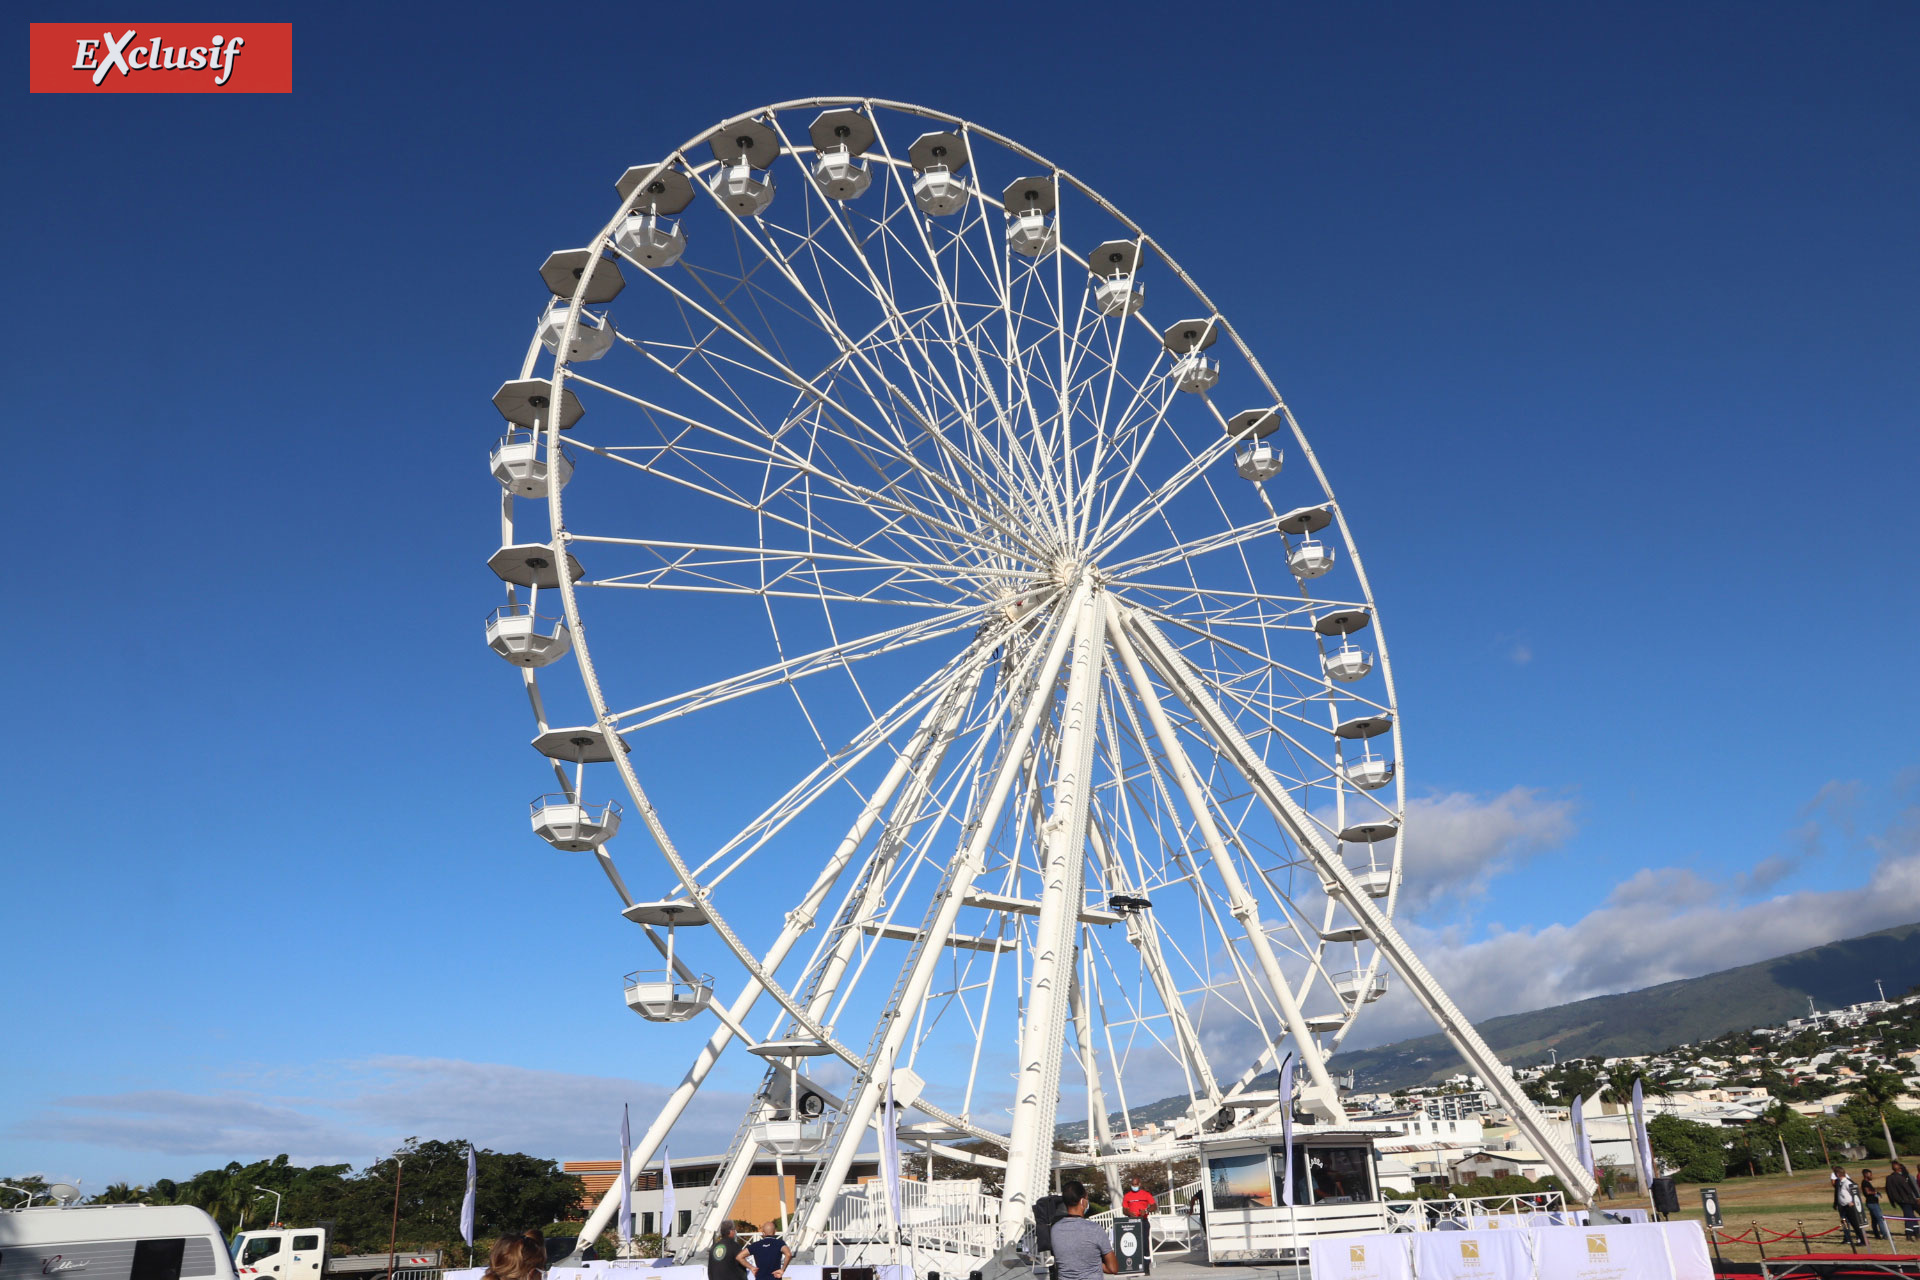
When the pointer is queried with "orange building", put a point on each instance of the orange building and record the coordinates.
(760, 1198)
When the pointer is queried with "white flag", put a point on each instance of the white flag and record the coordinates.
(1643, 1149)
(890, 1152)
(1582, 1148)
(667, 1205)
(1286, 1130)
(626, 1178)
(467, 1202)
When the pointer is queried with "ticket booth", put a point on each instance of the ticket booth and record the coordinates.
(1242, 1199)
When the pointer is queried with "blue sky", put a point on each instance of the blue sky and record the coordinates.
(1602, 321)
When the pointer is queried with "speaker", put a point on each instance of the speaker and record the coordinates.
(1666, 1196)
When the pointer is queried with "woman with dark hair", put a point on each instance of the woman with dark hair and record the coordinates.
(515, 1258)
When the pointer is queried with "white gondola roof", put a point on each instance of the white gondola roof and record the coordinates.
(667, 911)
(949, 149)
(1305, 520)
(531, 564)
(1024, 194)
(792, 1047)
(747, 140)
(669, 192)
(1190, 335)
(563, 268)
(1341, 622)
(577, 744)
(1369, 832)
(1258, 423)
(1114, 258)
(524, 402)
(843, 127)
(1363, 727)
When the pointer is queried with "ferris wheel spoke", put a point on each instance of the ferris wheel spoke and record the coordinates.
(775, 675)
(900, 443)
(903, 331)
(775, 449)
(777, 453)
(1190, 550)
(957, 329)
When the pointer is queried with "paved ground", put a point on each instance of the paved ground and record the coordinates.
(1180, 1267)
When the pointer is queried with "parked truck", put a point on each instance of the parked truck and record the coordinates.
(302, 1253)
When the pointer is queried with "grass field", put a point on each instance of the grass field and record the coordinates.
(1780, 1204)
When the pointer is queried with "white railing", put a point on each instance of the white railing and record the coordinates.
(1427, 1215)
(945, 1216)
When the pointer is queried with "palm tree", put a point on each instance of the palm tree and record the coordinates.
(120, 1193)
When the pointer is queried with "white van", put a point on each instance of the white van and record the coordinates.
(112, 1242)
(282, 1254)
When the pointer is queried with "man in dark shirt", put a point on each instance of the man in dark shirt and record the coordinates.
(723, 1259)
(769, 1253)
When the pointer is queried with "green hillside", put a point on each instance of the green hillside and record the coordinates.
(1674, 1013)
(1755, 995)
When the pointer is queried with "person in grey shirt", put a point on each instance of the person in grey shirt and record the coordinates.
(1081, 1249)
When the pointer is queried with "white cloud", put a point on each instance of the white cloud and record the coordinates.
(1660, 924)
(358, 1111)
(1458, 842)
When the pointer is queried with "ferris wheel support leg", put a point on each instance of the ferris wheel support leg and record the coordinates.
(1098, 1129)
(871, 1083)
(1321, 1097)
(925, 760)
(914, 768)
(939, 723)
(1036, 1092)
(1288, 813)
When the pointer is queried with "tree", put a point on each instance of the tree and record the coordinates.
(1698, 1152)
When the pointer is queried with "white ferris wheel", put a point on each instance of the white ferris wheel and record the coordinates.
(972, 641)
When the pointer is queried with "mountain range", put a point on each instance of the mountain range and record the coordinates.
(1765, 993)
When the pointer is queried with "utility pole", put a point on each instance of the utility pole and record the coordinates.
(393, 1235)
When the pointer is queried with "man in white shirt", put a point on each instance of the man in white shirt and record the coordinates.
(1846, 1199)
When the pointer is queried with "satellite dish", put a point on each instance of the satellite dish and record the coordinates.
(63, 1193)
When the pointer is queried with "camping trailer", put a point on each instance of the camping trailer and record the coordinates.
(1242, 1205)
(112, 1242)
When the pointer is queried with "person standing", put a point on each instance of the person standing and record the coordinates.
(1138, 1202)
(770, 1253)
(1871, 1195)
(1081, 1249)
(1905, 1195)
(723, 1259)
(1846, 1201)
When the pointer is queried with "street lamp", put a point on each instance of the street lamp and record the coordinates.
(276, 1202)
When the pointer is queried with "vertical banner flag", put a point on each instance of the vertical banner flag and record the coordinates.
(467, 1202)
(626, 1178)
(668, 1205)
(1641, 1146)
(1888, 1134)
(1582, 1146)
(890, 1152)
(1286, 1130)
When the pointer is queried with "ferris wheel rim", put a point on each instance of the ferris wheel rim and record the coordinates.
(590, 675)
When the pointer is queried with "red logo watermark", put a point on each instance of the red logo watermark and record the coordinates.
(160, 57)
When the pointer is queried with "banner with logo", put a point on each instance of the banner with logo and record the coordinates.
(1603, 1253)
(1474, 1255)
(1370, 1257)
(160, 57)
